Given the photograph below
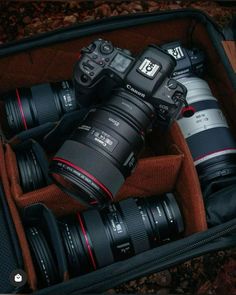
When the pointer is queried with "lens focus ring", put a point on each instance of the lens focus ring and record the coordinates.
(135, 225)
(43, 98)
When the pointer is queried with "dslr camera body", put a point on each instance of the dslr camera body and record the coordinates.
(127, 96)
(188, 61)
(103, 68)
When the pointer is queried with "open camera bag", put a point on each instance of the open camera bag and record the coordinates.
(168, 166)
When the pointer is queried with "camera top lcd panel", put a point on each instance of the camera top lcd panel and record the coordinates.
(103, 67)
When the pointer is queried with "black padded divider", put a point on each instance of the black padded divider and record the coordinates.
(221, 205)
(10, 255)
(39, 215)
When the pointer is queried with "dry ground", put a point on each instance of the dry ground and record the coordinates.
(209, 274)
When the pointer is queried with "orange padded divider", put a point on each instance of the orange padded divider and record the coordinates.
(152, 176)
(188, 186)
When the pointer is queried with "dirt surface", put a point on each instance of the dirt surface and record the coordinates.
(19, 19)
(209, 274)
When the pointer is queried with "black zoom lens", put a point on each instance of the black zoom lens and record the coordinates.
(94, 239)
(29, 107)
(95, 161)
(31, 174)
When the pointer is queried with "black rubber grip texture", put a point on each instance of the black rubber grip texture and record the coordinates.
(135, 225)
(43, 98)
(100, 242)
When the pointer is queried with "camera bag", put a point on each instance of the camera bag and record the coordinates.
(10, 255)
(166, 164)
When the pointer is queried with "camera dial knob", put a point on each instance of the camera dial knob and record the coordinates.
(172, 84)
(106, 48)
(88, 49)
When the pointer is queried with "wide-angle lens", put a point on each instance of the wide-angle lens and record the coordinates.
(93, 239)
(26, 108)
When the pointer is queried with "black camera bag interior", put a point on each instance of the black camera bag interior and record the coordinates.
(10, 255)
(50, 57)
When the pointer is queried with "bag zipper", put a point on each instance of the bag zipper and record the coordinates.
(149, 267)
(205, 241)
(115, 274)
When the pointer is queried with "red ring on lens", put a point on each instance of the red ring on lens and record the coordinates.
(21, 109)
(215, 152)
(188, 109)
(87, 241)
(105, 189)
(94, 202)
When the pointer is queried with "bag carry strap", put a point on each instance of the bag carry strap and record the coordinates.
(36, 133)
(61, 131)
(157, 259)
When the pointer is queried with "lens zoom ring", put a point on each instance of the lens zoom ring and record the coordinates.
(43, 98)
(135, 225)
